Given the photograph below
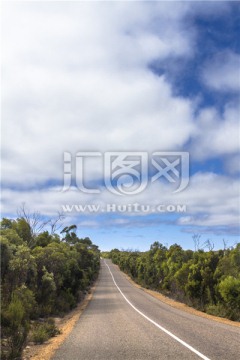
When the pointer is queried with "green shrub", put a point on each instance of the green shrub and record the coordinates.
(17, 326)
(229, 289)
(39, 335)
(44, 331)
(51, 328)
(65, 302)
(217, 310)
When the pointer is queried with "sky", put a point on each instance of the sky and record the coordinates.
(115, 96)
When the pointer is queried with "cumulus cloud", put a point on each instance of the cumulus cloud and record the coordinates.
(216, 134)
(76, 77)
(232, 164)
(210, 200)
(222, 72)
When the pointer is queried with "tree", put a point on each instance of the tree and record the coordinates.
(196, 240)
(208, 280)
(70, 234)
(41, 275)
(229, 289)
(35, 221)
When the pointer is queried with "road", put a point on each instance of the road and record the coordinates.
(122, 322)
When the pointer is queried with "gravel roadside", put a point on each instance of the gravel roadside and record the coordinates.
(65, 325)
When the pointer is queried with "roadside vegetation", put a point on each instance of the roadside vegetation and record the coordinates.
(43, 275)
(206, 280)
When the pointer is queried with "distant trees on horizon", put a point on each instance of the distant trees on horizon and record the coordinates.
(206, 280)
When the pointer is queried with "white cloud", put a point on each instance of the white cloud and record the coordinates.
(222, 73)
(216, 134)
(232, 164)
(211, 220)
(76, 77)
(89, 223)
(210, 200)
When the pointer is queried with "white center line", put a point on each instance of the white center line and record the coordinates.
(156, 324)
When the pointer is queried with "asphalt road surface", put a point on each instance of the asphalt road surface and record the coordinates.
(123, 322)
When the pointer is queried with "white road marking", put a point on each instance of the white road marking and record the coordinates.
(156, 324)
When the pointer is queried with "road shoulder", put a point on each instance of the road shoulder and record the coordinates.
(178, 305)
(65, 325)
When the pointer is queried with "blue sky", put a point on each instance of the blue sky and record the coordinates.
(123, 76)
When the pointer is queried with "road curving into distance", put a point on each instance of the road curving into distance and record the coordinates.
(122, 322)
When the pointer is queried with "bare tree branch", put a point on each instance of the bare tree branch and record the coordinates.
(56, 224)
(196, 240)
(35, 220)
(209, 244)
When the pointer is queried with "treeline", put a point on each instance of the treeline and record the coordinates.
(42, 275)
(208, 281)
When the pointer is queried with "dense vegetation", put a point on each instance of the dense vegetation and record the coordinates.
(42, 275)
(208, 281)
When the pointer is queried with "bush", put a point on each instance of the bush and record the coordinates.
(17, 326)
(208, 281)
(229, 289)
(43, 332)
(65, 302)
(41, 276)
(39, 335)
(28, 301)
(217, 310)
(51, 328)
